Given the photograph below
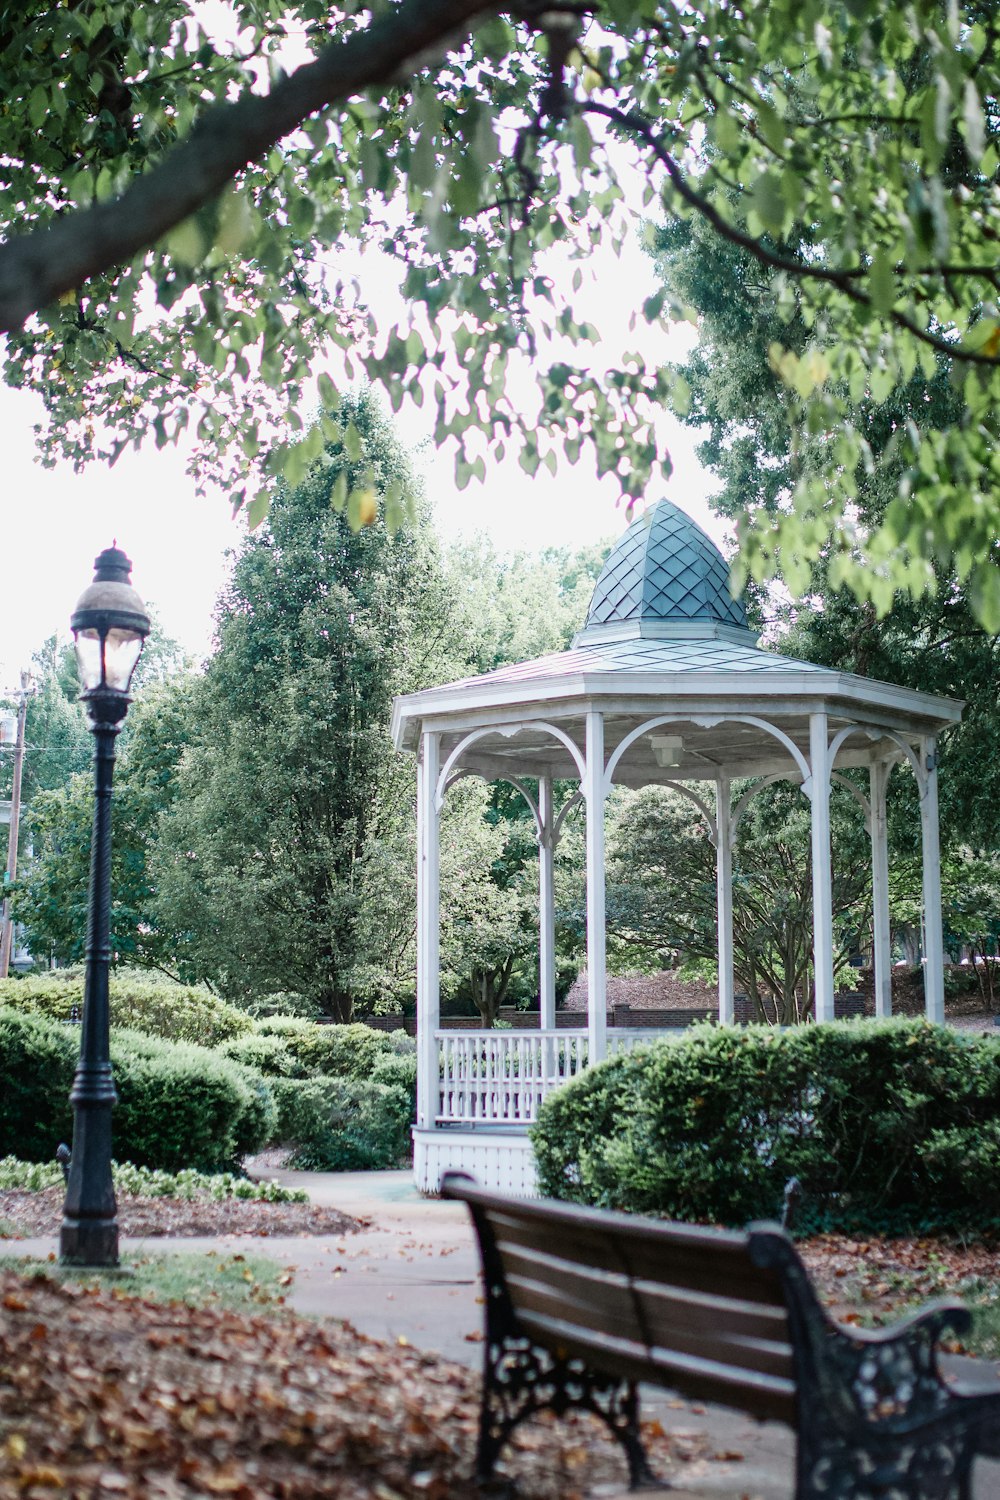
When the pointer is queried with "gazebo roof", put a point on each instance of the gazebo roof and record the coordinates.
(665, 640)
(664, 571)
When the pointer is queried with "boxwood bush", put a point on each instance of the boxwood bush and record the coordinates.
(345, 1124)
(177, 1012)
(179, 1105)
(889, 1126)
(334, 1051)
(345, 1094)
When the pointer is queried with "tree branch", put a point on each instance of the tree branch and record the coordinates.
(37, 268)
(802, 270)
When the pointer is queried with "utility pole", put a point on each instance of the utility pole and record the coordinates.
(6, 924)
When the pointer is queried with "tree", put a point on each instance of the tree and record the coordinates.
(932, 642)
(661, 892)
(51, 897)
(294, 780)
(171, 195)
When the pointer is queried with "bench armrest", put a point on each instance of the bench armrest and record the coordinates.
(885, 1377)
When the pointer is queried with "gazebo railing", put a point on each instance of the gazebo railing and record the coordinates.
(501, 1077)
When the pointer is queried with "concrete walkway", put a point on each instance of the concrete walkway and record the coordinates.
(413, 1276)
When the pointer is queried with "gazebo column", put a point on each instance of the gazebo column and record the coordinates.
(724, 898)
(593, 793)
(878, 782)
(933, 939)
(546, 907)
(819, 793)
(428, 931)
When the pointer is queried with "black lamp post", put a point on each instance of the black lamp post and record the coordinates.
(110, 625)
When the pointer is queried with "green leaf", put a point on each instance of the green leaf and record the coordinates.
(186, 244)
(769, 201)
(353, 445)
(328, 393)
(973, 122)
(258, 509)
(984, 595)
(882, 281)
(338, 491)
(236, 222)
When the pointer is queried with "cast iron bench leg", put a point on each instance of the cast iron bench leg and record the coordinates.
(520, 1380)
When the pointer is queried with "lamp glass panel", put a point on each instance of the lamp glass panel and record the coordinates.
(88, 658)
(121, 652)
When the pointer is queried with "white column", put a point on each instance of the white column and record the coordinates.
(933, 940)
(724, 897)
(878, 781)
(428, 932)
(593, 792)
(819, 794)
(546, 907)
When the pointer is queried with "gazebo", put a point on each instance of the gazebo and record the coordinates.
(664, 685)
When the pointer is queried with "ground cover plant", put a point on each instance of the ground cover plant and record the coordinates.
(150, 1182)
(890, 1127)
(202, 1279)
(177, 1204)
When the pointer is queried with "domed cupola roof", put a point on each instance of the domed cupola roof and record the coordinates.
(664, 578)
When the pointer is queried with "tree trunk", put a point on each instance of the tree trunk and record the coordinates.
(338, 1006)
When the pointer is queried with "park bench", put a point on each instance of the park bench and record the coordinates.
(582, 1305)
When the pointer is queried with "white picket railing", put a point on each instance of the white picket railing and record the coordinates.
(624, 1038)
(501, 1077)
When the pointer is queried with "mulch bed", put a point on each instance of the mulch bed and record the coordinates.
(874, 1279)
(106, 1394)
(29, 1214)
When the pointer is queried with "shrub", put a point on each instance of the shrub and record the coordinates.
(184, 1106)
(345, 1125)
(37, 1062)
(334, 1051)
(283, 1003)
(176, 1012)
(179, 1105)
(889, 1126)
(269, 1055)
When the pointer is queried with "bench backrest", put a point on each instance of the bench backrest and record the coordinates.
(676, 1304)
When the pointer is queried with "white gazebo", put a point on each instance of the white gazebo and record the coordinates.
(666, 685)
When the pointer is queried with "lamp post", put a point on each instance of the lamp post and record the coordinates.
(110, 625)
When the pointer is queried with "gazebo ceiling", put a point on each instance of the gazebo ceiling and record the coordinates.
(662, 640)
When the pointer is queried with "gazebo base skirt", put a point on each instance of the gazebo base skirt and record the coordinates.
(501, 1160)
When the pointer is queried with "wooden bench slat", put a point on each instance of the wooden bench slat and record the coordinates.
(704, 1269)
(653, 1304)
(621, 1318)
(762, 1395)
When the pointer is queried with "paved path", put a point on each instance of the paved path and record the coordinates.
(413, 1276)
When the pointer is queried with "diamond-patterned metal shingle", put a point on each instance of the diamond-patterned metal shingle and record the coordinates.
(665, 568)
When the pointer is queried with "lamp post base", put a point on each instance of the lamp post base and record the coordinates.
(88, 1242)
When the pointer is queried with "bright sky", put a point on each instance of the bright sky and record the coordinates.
(55, 522)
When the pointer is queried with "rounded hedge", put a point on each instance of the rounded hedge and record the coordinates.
(350, 1051)
(176, 1012)
(889, 1126)
(178, 1105)
(345, 1124)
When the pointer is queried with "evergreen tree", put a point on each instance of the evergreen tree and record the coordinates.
(265, 857)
